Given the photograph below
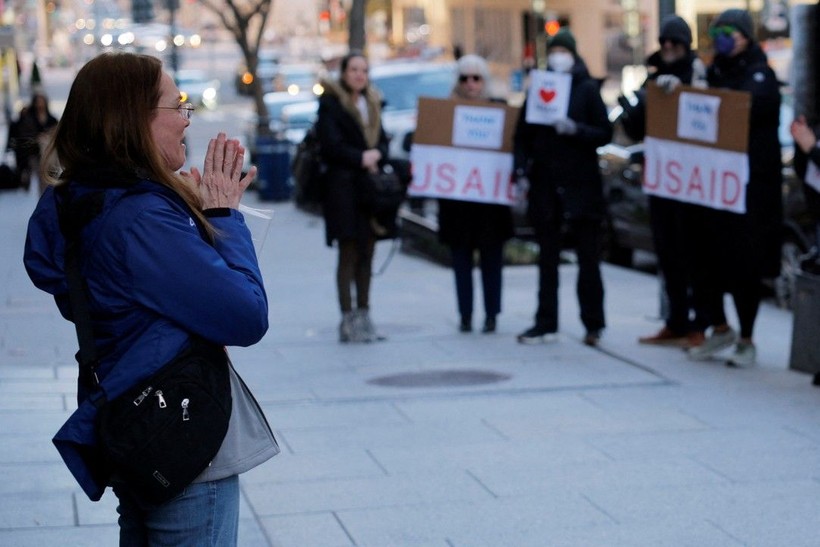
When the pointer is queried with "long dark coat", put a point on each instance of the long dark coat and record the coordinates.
(563, 169)
(343, 139)
(757, 235)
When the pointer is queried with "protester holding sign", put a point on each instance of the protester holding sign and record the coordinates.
(353, 143)
(672, 65)
(557, 151)
(738, 249)
(470, 226)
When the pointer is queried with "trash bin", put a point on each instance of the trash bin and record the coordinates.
(805, 351)
(273, 165)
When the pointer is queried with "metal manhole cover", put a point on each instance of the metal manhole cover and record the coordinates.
(440, 378)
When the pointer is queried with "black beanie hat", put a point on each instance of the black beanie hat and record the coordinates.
(738, 18)
(563, 38)
(675, 28)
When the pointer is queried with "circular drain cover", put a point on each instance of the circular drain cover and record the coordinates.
(440, 378)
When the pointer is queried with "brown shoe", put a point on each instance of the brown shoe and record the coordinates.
(665, 337)
(694, 339)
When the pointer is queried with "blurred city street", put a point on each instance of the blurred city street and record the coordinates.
(433, 437)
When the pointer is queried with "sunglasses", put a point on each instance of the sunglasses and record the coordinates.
(721, 30)
(465, 77)
(672, 41)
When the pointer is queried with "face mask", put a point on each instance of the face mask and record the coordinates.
(561, 61)
(724, 44)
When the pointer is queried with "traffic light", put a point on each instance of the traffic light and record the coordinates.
(142, 11)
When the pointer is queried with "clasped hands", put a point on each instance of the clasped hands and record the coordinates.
(221, 183)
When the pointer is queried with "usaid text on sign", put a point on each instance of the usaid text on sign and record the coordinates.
(695, 174)
(462, 174)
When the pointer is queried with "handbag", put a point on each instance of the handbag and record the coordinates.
(308, 171)
(9, 177)
(381, 196)
(162, 433)
(159, 435)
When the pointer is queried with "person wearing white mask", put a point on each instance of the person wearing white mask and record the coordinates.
(561, 163)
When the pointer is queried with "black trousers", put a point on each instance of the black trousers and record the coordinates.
(726, 262)
(586, 235)
(491, 261)
(671, 223)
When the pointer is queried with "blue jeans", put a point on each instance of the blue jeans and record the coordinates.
(206, 514)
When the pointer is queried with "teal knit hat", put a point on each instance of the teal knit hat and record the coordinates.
(563, 38)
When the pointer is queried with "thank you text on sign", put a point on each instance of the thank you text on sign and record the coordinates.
(462, 150)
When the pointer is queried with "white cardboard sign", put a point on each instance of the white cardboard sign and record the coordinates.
(548, 97)
(462, 174)
(698, 117)
(478, 127)
(705, 176)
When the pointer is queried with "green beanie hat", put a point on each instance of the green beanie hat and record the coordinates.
(563, 38)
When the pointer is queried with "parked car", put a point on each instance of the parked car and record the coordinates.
(199, 89)
(275, 102)
(401, 85)
(275, 75)
(628, 224)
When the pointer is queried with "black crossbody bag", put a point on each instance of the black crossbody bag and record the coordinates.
(159, 435)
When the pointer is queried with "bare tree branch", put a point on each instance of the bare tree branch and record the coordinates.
(246, 22)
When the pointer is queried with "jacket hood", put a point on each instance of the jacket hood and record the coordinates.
(44, 252)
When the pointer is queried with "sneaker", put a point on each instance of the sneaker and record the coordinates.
(716, 342)
(537, 335)
(592, 338)
(665, 337)
(743, 357)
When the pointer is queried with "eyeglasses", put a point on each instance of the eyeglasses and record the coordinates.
(672, 41)
(186, 110)
(723, 29)
(474, 77)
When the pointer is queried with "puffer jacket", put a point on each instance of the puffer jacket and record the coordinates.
(152, 282)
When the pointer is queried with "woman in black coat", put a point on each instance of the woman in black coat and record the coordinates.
(353, 144)
(467, 226)
(738, 250)
(561, 162)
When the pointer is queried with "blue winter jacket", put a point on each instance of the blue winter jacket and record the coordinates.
(152, 281)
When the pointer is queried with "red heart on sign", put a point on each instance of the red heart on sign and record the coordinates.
(547, 94)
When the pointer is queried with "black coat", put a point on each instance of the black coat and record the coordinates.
(342, 140)
(759, 231)
(471, 224)
(633, 118)
(563, 169)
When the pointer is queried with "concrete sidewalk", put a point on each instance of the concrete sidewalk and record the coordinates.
(396, 444)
